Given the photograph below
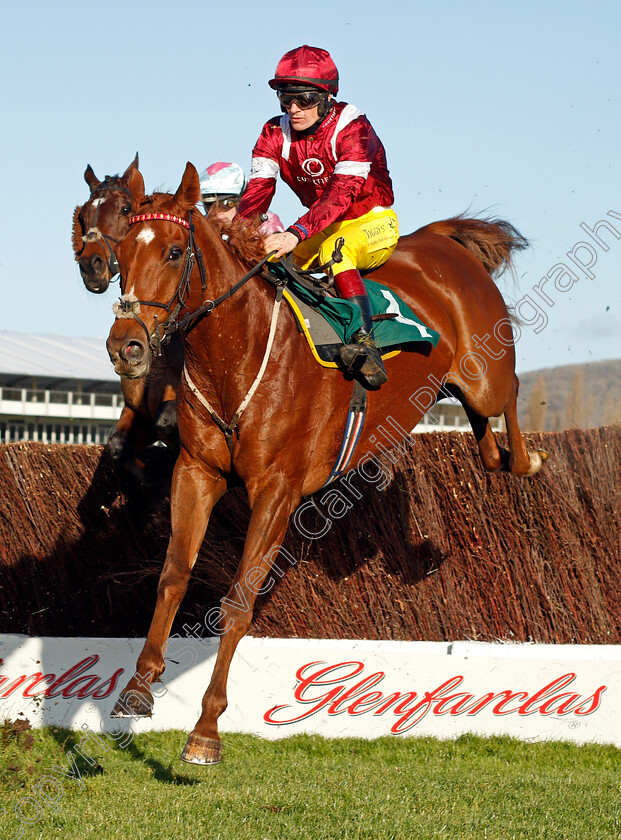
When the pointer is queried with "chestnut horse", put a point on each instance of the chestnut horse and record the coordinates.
(282, 430)
(149, 413)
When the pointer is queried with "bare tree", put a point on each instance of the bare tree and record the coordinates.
(577, 412)
(537, 406)
(611, 413)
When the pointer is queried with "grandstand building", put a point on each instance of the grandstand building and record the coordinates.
(56, 389)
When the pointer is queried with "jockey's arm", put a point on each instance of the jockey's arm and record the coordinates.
(335, 200)
(339, 194)
(260, 191)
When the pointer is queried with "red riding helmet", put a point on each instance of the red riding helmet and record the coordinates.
(307, 65)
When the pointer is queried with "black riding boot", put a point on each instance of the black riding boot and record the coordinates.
(361, 356)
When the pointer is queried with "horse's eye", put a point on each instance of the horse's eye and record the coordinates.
(126, 209)
(175, 253)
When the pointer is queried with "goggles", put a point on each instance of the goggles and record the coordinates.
(224, 201)
(305, 99)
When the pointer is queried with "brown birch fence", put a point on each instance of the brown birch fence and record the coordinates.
(446, 551)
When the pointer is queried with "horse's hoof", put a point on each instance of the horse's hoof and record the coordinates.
(133, 704)
(537, 460)
(199, 750)
(118, 447)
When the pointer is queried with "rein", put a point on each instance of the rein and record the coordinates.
(128, 306)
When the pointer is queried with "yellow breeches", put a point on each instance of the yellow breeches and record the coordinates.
(369, 241)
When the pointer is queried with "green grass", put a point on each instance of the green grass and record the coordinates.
(309, 787)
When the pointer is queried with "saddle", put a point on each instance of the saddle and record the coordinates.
(328, 322)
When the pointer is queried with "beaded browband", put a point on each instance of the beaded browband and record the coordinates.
(164, 217)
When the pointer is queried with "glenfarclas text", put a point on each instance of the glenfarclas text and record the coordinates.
(349, 692)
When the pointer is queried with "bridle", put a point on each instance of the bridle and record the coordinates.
(128, 306)
(94, 234)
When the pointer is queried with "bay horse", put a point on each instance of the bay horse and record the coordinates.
(149, 412)
(273, 419)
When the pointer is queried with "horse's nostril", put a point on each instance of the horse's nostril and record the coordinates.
(134, 351)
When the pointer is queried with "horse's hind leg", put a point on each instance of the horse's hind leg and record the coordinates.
(521, 461)
(517, 460)
(494, 457)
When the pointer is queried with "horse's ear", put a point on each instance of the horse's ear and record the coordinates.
(189, 191)
(135, 185)
(91, 179)
(132, 165)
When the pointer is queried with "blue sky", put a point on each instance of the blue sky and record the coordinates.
(507, 109)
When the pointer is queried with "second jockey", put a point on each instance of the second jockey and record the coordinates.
(330, 156)
(222, 185)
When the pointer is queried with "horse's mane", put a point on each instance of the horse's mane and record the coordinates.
(157, 201)
(241, 237)
(109, 182)
(76, 233)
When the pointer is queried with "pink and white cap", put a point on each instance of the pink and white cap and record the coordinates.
(221, 179)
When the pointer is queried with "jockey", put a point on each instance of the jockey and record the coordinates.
(330, 156)
(223, 183)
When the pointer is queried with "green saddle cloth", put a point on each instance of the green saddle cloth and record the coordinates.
(346, 318)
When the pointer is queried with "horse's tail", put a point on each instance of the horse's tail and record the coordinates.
(492, 241)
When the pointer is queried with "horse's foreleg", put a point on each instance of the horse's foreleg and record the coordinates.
(166, 423)
(161, 394)
(268, 525)
(132, 432)
(194, 493)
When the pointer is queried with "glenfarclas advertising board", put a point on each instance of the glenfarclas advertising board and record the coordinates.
(281, 687)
